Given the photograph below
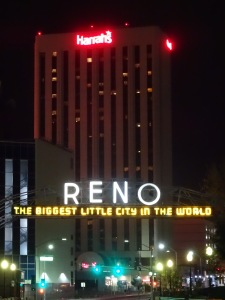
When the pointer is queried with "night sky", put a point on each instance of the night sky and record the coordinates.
(198, 68)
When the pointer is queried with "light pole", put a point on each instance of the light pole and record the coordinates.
(159, 267)
(170, 265)
(5, 265)
(199, 277)
(189, 259)
(209, 253)
(150, 248)
(168, 249)
(39, 258)
(151, 273)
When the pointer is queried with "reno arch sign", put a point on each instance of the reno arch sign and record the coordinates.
(112, 199)
(102, 38)
(147, 194)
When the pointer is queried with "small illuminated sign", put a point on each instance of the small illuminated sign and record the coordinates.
(102, 38)
(46, 258)
(112, 211)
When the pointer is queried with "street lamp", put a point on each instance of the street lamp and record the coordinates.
(189, 259)
(5, 265)
(162, 246)
(200, 261)
(209, 253)
(170, 265)
(159, 267)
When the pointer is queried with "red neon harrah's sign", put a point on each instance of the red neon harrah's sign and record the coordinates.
(103, 38)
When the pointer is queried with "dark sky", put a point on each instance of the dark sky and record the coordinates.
(198, 67)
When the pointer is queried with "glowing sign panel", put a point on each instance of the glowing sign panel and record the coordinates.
(46, 258)
(112, 211)
(102, 38)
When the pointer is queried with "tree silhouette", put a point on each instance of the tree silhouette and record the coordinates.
(214, 184)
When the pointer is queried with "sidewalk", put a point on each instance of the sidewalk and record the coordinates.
(142, 296)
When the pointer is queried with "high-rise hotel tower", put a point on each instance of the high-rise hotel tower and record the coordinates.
(103, 97)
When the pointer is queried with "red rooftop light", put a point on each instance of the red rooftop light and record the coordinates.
(169, 45)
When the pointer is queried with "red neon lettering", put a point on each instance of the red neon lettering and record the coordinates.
(98, 39)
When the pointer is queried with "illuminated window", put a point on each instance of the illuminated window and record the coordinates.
(54, 78)
(101, 93)
(54, 113)
(149, 90)
(89, 60)
(125, 74)
(77, 119)
(23, 200)
(53, 70)
(54, 53)
(8, 203)
(149, 73)
(138, 125)
(54, 96)
(89, 85)
(113, 93)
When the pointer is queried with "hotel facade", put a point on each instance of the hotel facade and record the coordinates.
(102, 112)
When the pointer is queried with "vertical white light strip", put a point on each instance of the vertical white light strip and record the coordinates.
(23, 201)
(8, 204)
